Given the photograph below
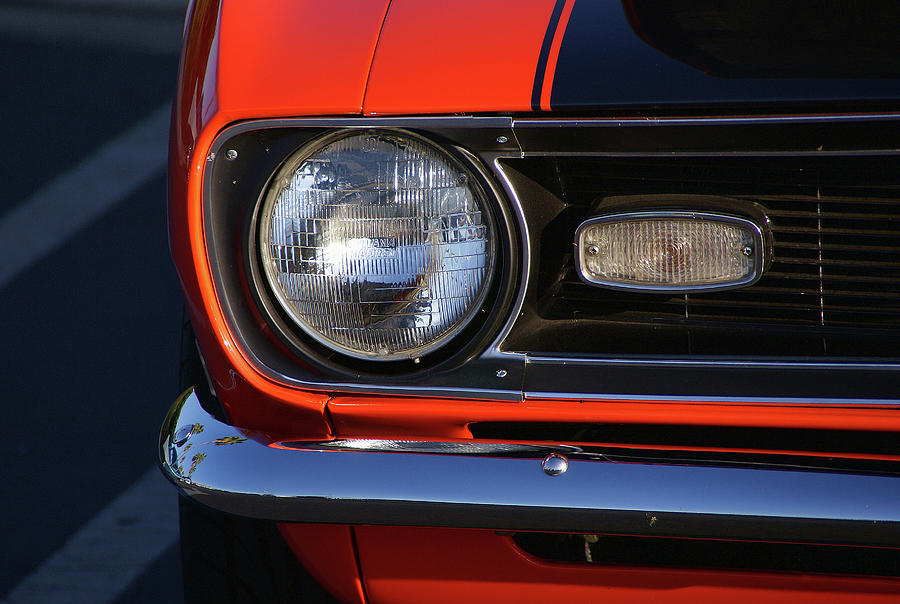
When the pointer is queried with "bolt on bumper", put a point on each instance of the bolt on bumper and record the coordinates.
(510, 486)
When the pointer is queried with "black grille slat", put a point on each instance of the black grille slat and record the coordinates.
(829, 215)
(824, 262)
(835, 270)
(838, 231)
(884, 249)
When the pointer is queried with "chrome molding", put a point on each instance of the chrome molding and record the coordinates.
(840, 365)
(506, 487)
(774, 135)
(525, 263)
(769, 400)
(618, 122)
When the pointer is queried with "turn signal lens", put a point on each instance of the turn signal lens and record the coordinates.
(669, 251)
(377, 245)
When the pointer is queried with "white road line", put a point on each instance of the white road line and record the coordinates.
(74, 199)
(110, 551)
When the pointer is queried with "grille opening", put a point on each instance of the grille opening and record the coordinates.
(710, 554)
(723, 437)
(832, 290)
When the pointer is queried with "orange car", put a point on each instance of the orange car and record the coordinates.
(544, 301)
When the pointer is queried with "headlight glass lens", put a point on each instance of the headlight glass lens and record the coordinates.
(377, 244)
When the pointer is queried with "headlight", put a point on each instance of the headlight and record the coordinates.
(378, 245)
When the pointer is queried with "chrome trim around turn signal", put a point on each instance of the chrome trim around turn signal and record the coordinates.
(505, 486)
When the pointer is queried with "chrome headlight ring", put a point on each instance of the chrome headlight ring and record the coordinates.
(378, 245)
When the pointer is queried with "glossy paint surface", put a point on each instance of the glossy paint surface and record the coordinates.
(286, 58)
(328, 553)
(546, 69)
(563, 55)
(399, 564)
(448, 418)
(607, 60)
(234, 67)
(466, 55)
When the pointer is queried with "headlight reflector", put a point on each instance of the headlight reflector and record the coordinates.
(377, 244)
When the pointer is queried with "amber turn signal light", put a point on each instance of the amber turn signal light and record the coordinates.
(669, 251)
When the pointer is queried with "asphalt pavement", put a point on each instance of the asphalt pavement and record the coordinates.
(89, 301)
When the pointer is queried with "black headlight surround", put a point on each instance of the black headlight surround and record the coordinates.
(266, 330)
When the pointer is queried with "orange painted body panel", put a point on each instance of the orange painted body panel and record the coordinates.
(401, 564)
(328, 552)
(547, 85)
(288, 58)
(463, 56)
(228, 75)
(381, 417)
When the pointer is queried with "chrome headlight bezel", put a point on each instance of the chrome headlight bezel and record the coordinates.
(468, 334)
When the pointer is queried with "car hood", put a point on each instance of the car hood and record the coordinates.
(563, 55)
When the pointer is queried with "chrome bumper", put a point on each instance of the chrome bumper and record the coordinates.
(505, 487)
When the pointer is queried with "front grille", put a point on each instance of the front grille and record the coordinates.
(833, 288)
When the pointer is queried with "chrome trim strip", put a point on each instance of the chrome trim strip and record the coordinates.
(468, 122)
(242, 472)
(712, 363)
(613, 122)
(424, 447)
(494, 350)
(666, 398)
(799, 153)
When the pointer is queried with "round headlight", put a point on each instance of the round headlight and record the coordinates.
(378, 245)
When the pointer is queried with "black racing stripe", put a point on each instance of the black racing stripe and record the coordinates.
(679, 55)
(545, 54)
